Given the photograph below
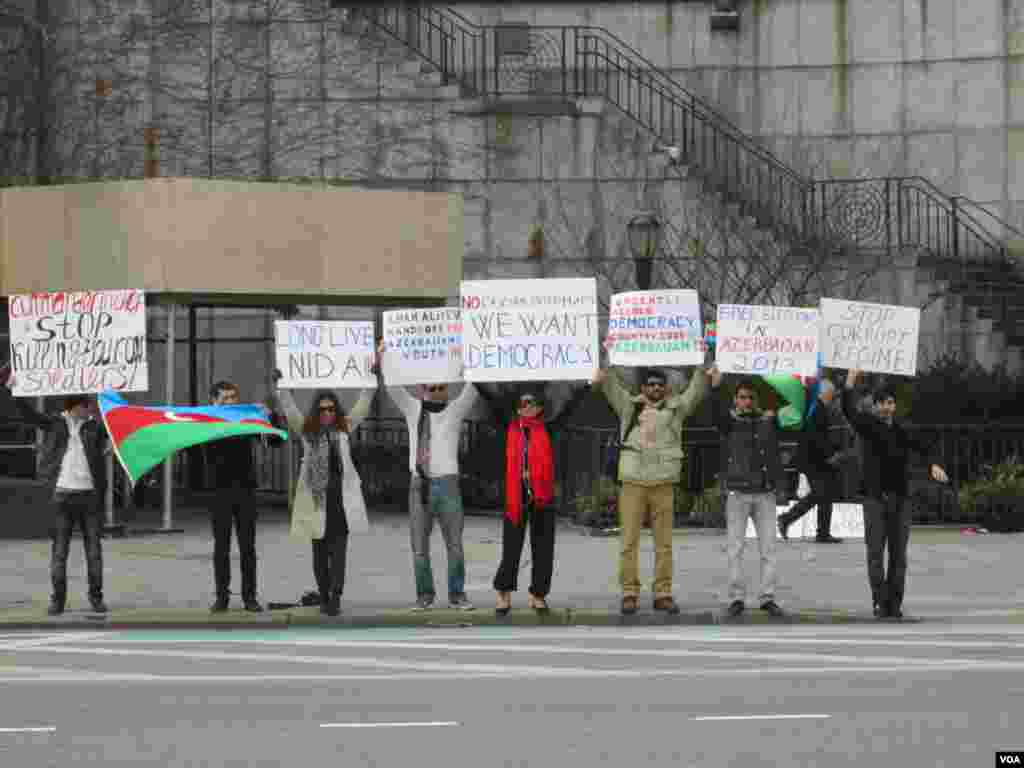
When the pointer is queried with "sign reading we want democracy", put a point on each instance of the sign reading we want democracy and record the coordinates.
(878, 338)
(78, 342)
(333, 354)
(530, 330)
(423, 346)
(655, 328)
(764, 340)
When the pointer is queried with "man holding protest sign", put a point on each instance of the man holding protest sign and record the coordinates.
(887, 447)
(71, 462)
(752, 481)
(651, 431)
(435, 428)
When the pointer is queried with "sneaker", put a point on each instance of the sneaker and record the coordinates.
(784, 524)
(219, 605)
(424, 603)
(772, 609)
(828, 539)
(736, 607)
(97, 605)
(460, 602)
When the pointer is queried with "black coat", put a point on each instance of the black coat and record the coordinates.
(55, 441)
(230, 462)
(886, 449)
(816, 442)
(750, 448)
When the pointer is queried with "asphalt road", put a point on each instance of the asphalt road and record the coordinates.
(887, 695)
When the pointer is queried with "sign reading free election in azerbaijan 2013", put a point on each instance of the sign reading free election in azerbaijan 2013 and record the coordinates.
(764, 340)
(530, 330)
(655, 328)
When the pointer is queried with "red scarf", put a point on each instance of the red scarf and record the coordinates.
(542, 467)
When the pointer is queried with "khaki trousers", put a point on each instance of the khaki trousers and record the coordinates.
(636, 502)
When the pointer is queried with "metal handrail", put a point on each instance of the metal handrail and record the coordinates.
(587, 61)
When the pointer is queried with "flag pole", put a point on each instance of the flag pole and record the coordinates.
(169, 461)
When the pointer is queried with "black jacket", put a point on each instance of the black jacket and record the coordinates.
(887, 449)
(750, 449)
(816, 441)
(230, 462)
(55, 441)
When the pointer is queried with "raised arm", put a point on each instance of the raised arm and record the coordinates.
(719, 411)
(399, 394)
(361, 408)
(618, 397)
(694, 394)
(560, 418)
(26, 413)
(463, 404)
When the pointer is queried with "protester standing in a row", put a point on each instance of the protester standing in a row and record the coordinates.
(752, 481)
(435, 429)
(887, 448)
(651, 434)
(329, 489)
(519, 410)
(72, 465)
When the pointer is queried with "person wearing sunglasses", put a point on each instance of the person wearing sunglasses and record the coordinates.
(435, 429)
(650, 463)
(529, 486)
(752, 481)
(329, 490)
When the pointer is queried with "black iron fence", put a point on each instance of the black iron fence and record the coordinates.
(586, 496)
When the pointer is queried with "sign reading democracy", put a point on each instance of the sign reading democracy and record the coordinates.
(879, 338)
(423, 346)
(78, 342)
(655, 328)
(764, 340)
(530, 330)
(334, 354)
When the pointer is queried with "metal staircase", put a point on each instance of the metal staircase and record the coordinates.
(956, 241)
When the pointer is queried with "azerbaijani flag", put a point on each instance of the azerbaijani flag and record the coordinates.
(796, 390)
(145, 435)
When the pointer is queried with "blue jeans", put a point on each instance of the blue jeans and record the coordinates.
(444, 499)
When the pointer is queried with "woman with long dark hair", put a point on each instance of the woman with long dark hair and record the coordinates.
(328, 495)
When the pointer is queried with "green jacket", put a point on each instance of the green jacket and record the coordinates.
(662, 461)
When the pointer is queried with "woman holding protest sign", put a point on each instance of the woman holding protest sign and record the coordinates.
(328, 503)
(529, 487)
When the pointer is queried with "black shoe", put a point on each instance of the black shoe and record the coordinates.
(784, 524)
(252, 606)
(56, 607)
(736, 607)
(667, 605)
(334, 605)
(629, 605)
(219, 605)
(828, 539)
(881, 611)
(772, 609)
(895, 611)
(97, 604)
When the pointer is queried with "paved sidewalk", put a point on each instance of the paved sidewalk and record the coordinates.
(167, 579)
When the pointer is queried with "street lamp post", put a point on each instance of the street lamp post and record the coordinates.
(644, 235)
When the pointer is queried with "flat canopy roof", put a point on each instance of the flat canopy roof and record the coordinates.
(202, 241)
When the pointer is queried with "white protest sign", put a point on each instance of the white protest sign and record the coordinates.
(878, 338)
(529, 330)
(333, 354)
(423, 346)
(764, 340)
(78, 342)
(655, 328)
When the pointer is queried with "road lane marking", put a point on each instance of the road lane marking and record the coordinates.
(704, 718)
(38, 729)
(434, 724)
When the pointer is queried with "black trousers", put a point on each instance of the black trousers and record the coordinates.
(329, 552)
(234, 506)
(824, 487)
(541, 523)
(79, 508)
(887, 522)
